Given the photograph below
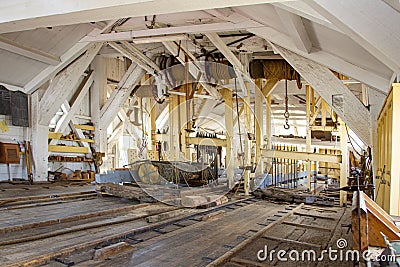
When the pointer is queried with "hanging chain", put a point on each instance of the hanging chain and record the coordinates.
(286, 114)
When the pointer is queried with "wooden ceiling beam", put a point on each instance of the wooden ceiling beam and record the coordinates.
(327, 85)
(28, 52)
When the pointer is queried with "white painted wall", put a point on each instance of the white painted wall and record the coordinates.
(14, 135)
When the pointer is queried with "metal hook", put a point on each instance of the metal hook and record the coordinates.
(286, 125)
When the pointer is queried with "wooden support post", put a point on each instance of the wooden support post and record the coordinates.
(39, 141)
(182, 126)
(229, 163)
(344, 166)
(98, 94)
(173, 127)
(359, 222)
(309, 95)
(259, 121)
(151, 127)
(247, 142)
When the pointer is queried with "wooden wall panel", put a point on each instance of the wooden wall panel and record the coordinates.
(387, 165)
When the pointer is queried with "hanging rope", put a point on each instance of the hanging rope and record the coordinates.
(286, 114)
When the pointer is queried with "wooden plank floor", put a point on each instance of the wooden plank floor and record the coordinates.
(310, 228)
(74, 230)
(57, 226)
(199, 243)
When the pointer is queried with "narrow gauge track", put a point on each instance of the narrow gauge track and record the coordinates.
(130, 236)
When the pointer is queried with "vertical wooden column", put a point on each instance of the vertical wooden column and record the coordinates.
(173, 127)
(182, 126)
(266, 90)
(151, 122)
(247, 142)
(39, 137)
(268, 122)
(98, 96)
(259, 121)
(309, 95)
(344, 166)
(229, 163)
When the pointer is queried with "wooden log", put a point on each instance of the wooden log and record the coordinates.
(112, 250)
(293, 196)
(123, 191)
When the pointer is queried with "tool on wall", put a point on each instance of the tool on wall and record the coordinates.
(286, 114)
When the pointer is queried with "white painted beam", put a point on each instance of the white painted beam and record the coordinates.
(234, 60)
(66, 59)
(130, 55)
(294, 25)
(28, 52)
(26, 14)
(322, 57)
(372, 24)
(194, 96)
(202, 28)
(301, 9)
(116, 133)
(327, 85)
(120, 94)
(63, 83)
(140, 55)
(224, 49)
(75, 105)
